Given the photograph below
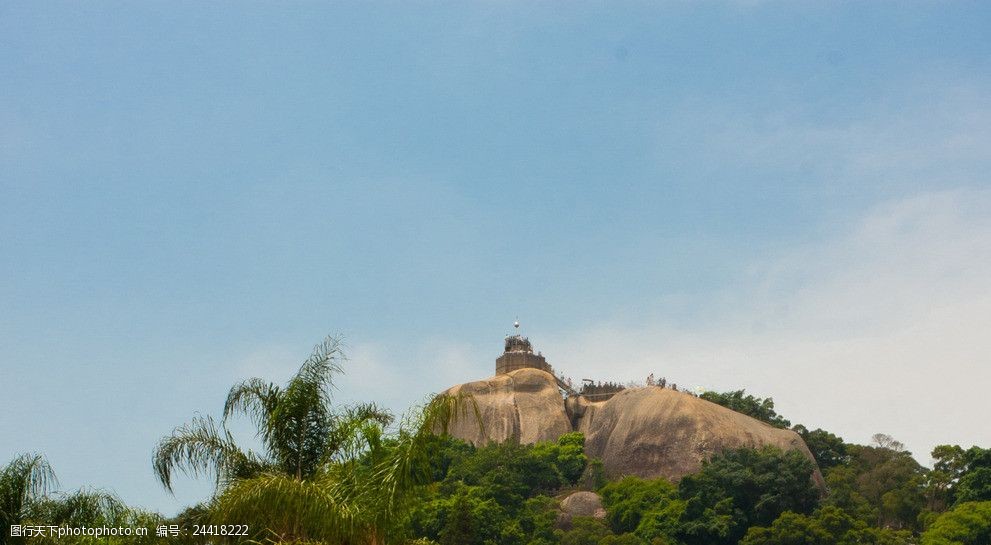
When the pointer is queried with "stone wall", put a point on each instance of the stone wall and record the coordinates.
(511, 361)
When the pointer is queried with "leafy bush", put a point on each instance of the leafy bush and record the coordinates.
(967, 524)
(742, 488)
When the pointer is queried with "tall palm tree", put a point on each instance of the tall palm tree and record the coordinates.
(326, 473)
(355, 499)
(296, 424)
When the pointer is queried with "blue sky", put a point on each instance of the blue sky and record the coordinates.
(788, 197)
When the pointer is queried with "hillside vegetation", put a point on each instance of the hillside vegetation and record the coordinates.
(350, 475)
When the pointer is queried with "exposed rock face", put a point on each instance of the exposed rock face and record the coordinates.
(583, 504)
(524, 405)
(653, 431)
(648, 432)
(580, 504)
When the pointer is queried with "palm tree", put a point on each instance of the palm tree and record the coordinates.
(325, 474)
(89, 507)
(25, 480)
(357, 498)
(27, 497)
(298, 429)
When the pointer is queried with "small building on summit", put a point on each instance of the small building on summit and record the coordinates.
(519, 355)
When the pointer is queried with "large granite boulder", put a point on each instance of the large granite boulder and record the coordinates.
(524, 405)
(579, 504)
(583, 504)
(652, 431)
(647, 432)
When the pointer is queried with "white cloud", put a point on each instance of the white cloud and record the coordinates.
(400, 377)
(882, 329)
(927, 131)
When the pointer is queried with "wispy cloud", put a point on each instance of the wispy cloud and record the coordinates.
(918, 134)
(882, 328)
(400, 377)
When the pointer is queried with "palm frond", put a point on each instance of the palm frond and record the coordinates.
(256, 399)
(298, 426)
(199, 448)
(352, 431)
(324, 362)
(297, 429)
(408, 465)
(26, 478)
(137, 517)
(443, 410)
(82, 507)
(323, 509)
(330, 474)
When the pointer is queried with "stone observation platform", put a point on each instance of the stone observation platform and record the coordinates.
(518, 354)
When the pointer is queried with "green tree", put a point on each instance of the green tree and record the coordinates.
(198, 514)
(828, 449)
(975, 485)
(886, 478)
(661, 523)
(622, 539)
(586, 531)
(948, 467)
(92, 508)
(975, 478)
(28, 498)
(958, 476)
(567, 454)
(966, 524)
(511, 481)
(741, 488)
(466, 517)
(325, 473)
(361, 498)
(790, 529)
(23, 481)
(844, 493)
(510, 472)
(299, 429)
(630, 499)
(538, 519)
(828, 526)
(465, 524)
(83, 507)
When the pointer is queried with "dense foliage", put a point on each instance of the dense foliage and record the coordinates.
(743, 488)
(968, 523)
(28, 497)
(827, 526)
(510, 494)
(498, 493)
(506, 494)
(873, 494)
(344, 475)
(326, 473)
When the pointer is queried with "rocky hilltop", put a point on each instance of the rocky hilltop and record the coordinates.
(648, 431)
(523, 405)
